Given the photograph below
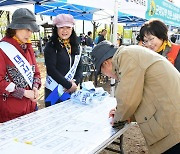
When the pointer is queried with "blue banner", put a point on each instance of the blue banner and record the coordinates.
(165, 11)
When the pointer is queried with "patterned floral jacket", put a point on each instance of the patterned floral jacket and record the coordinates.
(14, 104)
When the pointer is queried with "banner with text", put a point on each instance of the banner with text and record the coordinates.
(136, 8)
(165, 11)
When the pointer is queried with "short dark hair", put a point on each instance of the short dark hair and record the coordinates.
(89, 33)
(103, 30)
(138, 38)
(154, 27)
(10, 32)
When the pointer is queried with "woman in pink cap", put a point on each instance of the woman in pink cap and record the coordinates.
(62, 58)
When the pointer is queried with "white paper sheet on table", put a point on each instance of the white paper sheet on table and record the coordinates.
(59, 129)
(22, 148)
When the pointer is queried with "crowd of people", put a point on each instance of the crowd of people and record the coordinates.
(101, 36)
(147, 75)
(88, 40)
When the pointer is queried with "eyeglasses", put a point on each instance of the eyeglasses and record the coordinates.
(150, 40)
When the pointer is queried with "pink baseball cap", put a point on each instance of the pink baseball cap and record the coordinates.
(63, 20)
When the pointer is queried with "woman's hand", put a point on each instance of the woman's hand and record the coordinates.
(31, 94)
(36, 92)
(73, 87)
(111, 115)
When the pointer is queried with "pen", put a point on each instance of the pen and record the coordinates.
(85, 130)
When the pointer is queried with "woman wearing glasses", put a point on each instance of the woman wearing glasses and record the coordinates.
(154, 35)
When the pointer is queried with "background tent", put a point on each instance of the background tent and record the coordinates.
(77, 11)
(130, 20)
(12, 2)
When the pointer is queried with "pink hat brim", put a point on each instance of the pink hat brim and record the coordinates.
(65, 25)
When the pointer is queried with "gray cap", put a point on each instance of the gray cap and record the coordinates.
(24, 19)
(103, 51)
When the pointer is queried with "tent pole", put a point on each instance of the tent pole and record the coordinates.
(115, 22)
(94, 30)
(40, 41)
(83, 27)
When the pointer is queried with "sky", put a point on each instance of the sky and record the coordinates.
(177, 2)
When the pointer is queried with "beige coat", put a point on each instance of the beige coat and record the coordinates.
(149, 89)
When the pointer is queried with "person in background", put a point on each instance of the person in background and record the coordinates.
(45, 40)
(89, 40)
(19, 75)
(102, 36)
(81, 39)
(62, 54)
(48, 37)
(148, 89)
(154, 35)
(139, 41)
(173, 38)
(97, 38)
(119, 40)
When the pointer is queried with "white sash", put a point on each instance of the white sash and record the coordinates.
(19, 61)
(51, 84)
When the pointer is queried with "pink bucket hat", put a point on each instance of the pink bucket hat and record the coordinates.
(63, 20)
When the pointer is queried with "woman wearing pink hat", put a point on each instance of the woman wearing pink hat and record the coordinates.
(62, 58)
